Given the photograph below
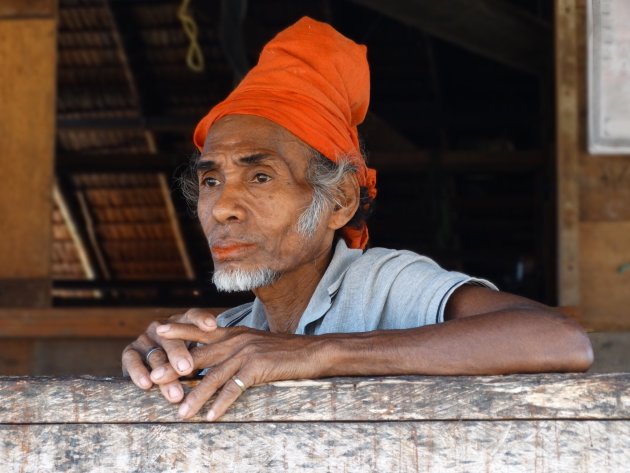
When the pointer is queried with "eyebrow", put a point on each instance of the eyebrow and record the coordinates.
(209, 164)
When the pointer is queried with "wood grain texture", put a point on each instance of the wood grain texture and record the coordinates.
(27, 137)
(540, 397)
(603, 184)
(605, 189)
(604, 281)
(27, 8)
(471, 446)
(82, 322)
(567, 149)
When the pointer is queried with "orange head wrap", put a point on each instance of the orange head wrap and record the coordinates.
(314, 82)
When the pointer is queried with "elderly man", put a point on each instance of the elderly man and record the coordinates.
(282, 195)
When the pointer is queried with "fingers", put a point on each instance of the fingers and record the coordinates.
(214, 379)
(183, 332)
(172, 391)
(204, 319)
(227, 396)
(176, 350)
(134, 367)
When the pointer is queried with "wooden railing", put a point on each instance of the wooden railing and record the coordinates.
(519, 423)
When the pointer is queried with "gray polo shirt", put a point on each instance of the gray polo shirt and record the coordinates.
(360, 291)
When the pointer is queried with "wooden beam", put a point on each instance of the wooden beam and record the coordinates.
(81, 322)
(490, 28)
(429, 447)
(410, 398)
(23, 9)
(97, 322)
(27, 135)
(576, 423)
(403, 159)
(459, 161)
(176, 226)
(567, 150)
(90, 229)
(380, 136)
(77, 238)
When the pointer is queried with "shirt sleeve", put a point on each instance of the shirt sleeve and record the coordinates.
(419, 291)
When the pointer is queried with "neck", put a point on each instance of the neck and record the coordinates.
(286, 300)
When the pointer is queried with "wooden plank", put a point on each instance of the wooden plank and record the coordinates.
(81, 322)
(27, 137)
(417, 398)
(61, 356)
(511, 162)
(605, 189)
(486, 27)
(567, 149)
(515, 446)
(103, 322)
(605, 275)
(16, 357)
(27, 8)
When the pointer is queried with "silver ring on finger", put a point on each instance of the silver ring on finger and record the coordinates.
(151, 351)
(239, 383)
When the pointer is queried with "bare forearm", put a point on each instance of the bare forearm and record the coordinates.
(515, 341)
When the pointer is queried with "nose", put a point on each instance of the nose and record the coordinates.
(228, 206)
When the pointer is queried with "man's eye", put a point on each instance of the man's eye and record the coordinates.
(210, 182)
(261, 178)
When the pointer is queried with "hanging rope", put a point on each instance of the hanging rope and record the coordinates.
(194, 56)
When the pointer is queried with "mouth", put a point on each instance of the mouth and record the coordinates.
(226, 251)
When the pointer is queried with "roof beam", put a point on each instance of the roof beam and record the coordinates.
(399, 160)
(490, 28)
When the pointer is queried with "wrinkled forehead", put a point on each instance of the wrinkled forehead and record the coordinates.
(248, 133)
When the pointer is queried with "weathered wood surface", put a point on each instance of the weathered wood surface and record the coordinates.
(471, 446)
(452, 398)
(521, 423)
(567, 150)
(605, 274)
(27, 142)
(112, 322)
(81, 322)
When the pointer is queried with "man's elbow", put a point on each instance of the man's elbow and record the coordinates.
(577, 353)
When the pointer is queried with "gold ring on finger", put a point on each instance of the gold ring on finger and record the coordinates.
(239, 383)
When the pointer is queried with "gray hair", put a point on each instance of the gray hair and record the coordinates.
(325, 177)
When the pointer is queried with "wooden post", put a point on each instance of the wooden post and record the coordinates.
(567, 151)
(27, 137)
(593, 192)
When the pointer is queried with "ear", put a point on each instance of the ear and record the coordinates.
(347, 202)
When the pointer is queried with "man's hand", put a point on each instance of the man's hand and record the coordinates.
(253, 356)
(173, 352)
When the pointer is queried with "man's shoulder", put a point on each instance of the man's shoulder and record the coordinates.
(387, 259)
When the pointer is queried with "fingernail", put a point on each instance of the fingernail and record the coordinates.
(174, 392)
(145, 382)
(157, 373)
(211, 415)
(163, 328)
(183, 365)
(210, 322)
(184, 409)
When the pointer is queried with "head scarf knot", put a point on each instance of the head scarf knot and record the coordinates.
(314, 82)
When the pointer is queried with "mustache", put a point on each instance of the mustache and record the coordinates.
(226, 237)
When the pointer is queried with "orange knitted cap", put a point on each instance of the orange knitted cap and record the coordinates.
(314, 82)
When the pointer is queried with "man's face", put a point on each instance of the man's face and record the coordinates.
(252, 191)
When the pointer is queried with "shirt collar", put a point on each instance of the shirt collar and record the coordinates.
(320, 302)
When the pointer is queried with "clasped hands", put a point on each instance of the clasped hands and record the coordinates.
(192, 341)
